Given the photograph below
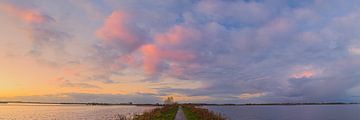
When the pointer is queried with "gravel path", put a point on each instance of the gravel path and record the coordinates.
(180, 114)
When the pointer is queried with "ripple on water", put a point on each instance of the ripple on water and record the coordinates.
(66, 112)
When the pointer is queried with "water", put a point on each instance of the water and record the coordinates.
(297, 112)
(84, 112)
(66, 112)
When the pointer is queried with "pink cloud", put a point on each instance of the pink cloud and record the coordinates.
(158, 53)
(303, 74)
(153, 57)
(116, 31)
(177, 35)
(28, 15)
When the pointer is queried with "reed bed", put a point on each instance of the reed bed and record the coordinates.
(196, 113)
(167, 112)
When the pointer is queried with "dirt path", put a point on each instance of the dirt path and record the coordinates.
(180, 114)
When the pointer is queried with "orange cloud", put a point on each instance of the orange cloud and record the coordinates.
(304, 74)
(177, 35)
(246, 96)
(27, 15)
(116, 30)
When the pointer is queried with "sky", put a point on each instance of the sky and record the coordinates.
(212, 51)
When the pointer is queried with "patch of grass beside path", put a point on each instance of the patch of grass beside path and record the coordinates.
(195, 113)
(167, 112)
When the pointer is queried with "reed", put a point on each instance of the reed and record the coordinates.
(121, 117)
(167, 112)
(196, 113)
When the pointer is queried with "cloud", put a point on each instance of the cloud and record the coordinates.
(154, 57)
(224, 11)
(259, 56)
(251, 95)
(262, 50)
(67, 83)
(27, 15)
(42, 29)
(119, 31)
(177, 35)
(354, 51)
(303, 74)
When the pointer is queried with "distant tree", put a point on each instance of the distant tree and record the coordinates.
(169, 100)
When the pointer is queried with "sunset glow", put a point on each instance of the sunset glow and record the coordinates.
(214, 51)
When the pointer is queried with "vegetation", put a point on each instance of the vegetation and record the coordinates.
(196, 113)
(168, 112)
(169, 100)
(121, 117)
(260, 104)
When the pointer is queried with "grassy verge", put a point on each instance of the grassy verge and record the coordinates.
(195, 113)
(167, 112)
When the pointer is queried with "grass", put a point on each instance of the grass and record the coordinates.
(195, 113)
(167, 112)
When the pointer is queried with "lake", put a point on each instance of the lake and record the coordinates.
(294, 112)
(16, 111)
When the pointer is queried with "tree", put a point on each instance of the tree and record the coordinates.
(169, 100)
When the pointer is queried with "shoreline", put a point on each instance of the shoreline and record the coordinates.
(195, 104)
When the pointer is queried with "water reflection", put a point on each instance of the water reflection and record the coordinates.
(15, 111)
(298, 112)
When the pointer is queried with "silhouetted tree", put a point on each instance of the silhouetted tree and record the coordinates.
(169, 100)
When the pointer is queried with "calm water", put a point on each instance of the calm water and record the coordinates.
(298, 112)
(65, 112)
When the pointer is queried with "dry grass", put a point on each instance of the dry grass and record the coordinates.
(167, 112)
(196, 113)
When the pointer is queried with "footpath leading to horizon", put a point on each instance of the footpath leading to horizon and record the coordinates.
(180, 115)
